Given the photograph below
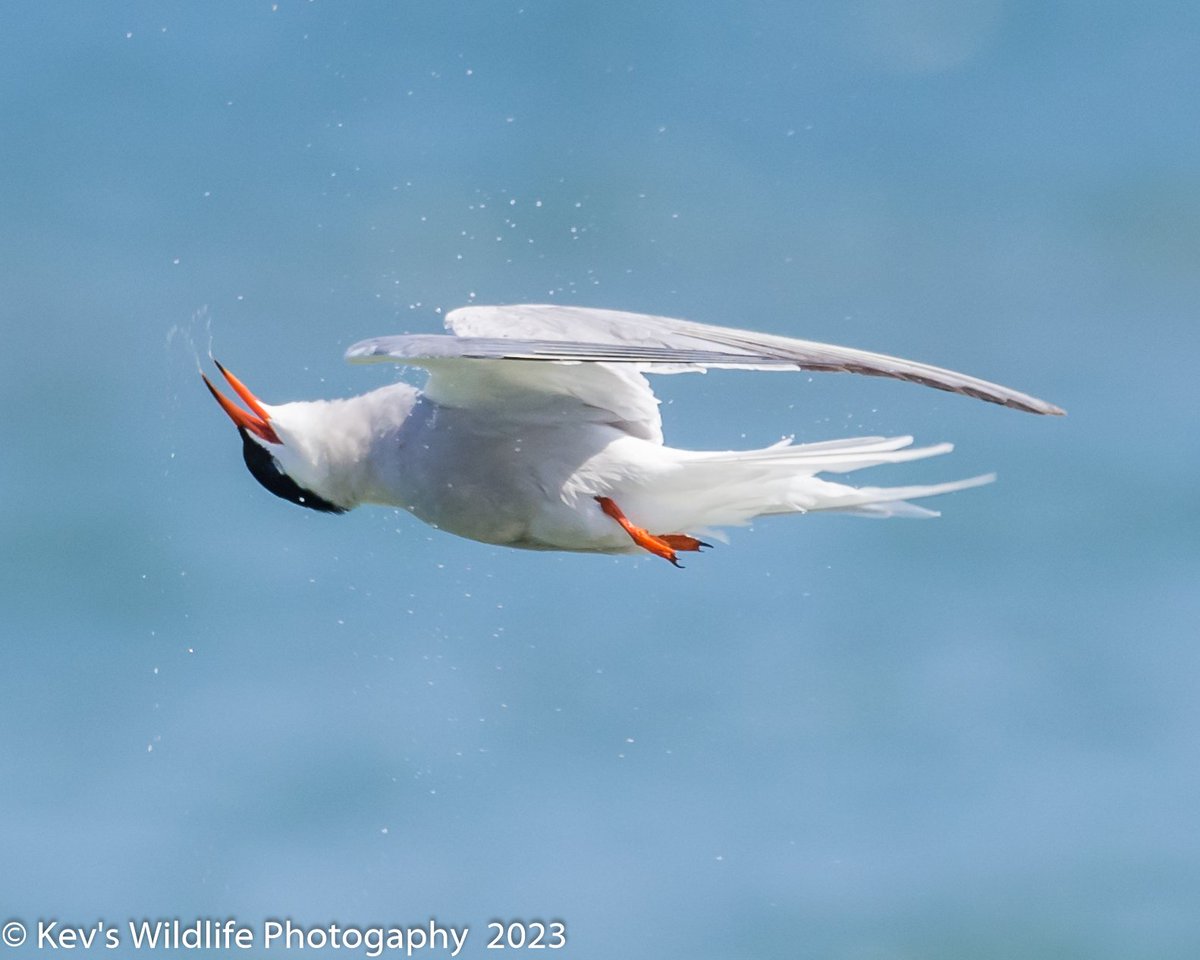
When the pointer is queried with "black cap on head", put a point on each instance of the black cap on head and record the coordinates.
(265, 469)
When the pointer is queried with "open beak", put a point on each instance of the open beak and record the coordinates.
(257, 421)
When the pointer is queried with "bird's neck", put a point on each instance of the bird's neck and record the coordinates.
(334, 445)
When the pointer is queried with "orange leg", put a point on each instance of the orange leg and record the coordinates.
(663, 545)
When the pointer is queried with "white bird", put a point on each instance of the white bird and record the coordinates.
(537, 429)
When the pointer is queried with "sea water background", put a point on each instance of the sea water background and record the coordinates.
(973, 737)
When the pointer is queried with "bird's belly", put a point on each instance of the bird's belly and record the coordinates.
(480, 512)
(535, 494)
(522, 516)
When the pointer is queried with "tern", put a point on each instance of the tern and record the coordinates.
(536, 428)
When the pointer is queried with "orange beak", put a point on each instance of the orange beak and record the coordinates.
(258, 421)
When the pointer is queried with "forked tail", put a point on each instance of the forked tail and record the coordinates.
(731, 488)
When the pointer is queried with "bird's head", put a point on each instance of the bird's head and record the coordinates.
(273, 446)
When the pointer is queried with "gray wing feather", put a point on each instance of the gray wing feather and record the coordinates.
(419, 347)
(549, 333)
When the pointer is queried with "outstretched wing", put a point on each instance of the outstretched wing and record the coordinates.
(587, 363)
(634, 332)
(480, 373)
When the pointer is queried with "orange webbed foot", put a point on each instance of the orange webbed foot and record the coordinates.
(661, 545)
(681, 541)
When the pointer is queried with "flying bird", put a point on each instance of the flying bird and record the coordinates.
(537, 429)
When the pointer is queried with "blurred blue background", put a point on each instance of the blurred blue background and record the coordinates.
(977, 736)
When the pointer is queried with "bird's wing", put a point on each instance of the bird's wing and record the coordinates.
(479, 373)
(666, 345)
(587, 363)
